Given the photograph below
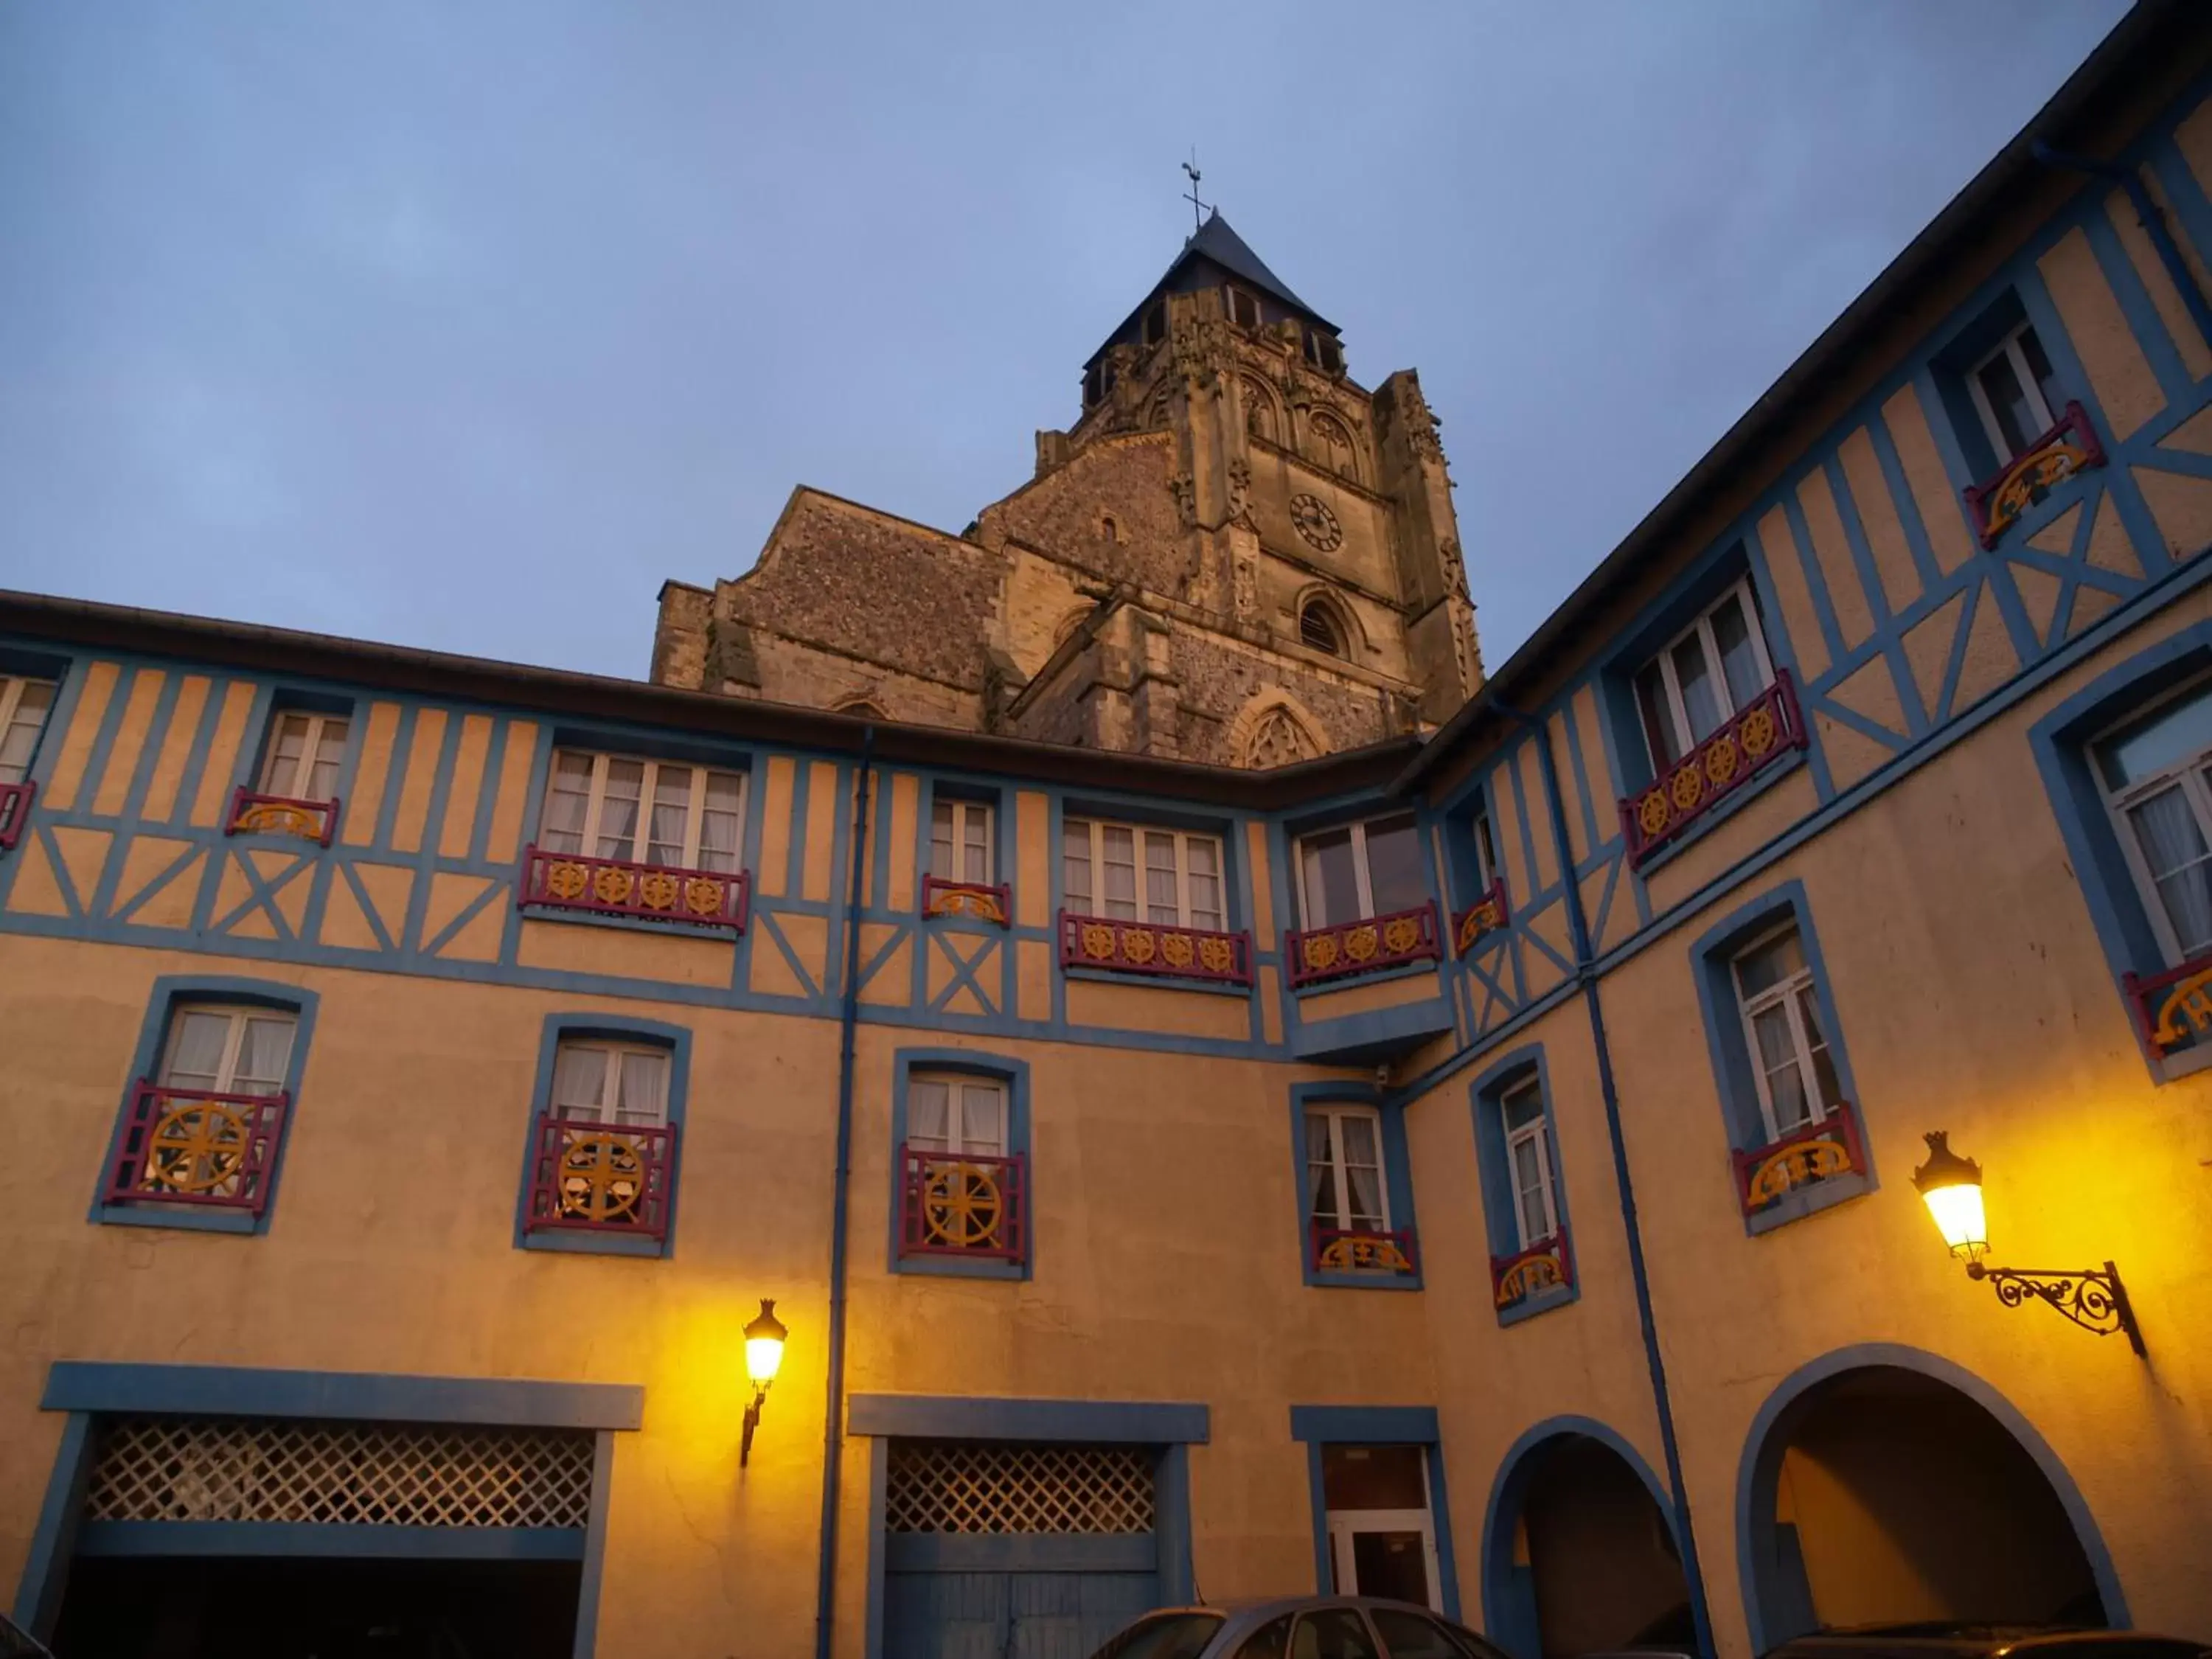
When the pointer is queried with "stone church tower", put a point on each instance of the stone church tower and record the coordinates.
(1237, 556)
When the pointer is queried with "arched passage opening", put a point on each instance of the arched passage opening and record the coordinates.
(1885, 1492)
(1579, 1555)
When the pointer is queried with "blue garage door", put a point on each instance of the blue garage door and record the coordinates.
(1015, 1551)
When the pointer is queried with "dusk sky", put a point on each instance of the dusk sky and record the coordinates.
(463, 324)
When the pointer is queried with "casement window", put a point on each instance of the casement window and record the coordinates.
(1486, 867)
(1345, 1186)
(305, 752)
(2155, 772)
(1361, 871)
(1791, 1062)
(661, 812)
(228, 1049)
(622, 1085)
(1243, 308)
(2017, 392)
(1528, 1159)
(1125, 872)
(1708, 674)
(1382, 1535)
(24, 705)
(952, 1114)
(960, 841)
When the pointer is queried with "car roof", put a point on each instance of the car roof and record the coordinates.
(1245, 1615)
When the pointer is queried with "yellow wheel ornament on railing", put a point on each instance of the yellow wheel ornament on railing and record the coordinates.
(602, 1178)
(198, 1148)
(961, 1206)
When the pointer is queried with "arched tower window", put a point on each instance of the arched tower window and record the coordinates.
(1318, 627)
(1259, 409)
(1335, 444)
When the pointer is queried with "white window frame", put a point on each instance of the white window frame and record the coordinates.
(1183, 838)
(1538, 1131)
(237, 1013)
(958, 1141)
(311, 750)
(965, 813)
(1785, 993)
(1362, 883)
(614, 1048)
(2009, 347)
(1484, 833)
(2189, 772)
(1677, 710)
(1343, 1525)
(1339, 1169)
(12, 687)
(641, 839)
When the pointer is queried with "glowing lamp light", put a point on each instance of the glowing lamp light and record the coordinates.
(764, 1339)
(1951, 1186)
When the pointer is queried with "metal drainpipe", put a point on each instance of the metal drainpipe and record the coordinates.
(2153, 221)
(833, 1425)
(1586, 975)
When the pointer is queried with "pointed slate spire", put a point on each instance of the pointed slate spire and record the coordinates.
(1210, 252)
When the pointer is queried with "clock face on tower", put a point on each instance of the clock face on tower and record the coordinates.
(1313, 520)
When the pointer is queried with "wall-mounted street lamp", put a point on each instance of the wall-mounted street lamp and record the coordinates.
(1952, 1187)
(765, 1338)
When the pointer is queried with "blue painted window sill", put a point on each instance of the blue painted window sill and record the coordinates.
(1212, 988)
(1353, 1281)
(1543, 1302)
(635, 924)
(1379, 976)
(191, 1221)
(1808, 1200)
(583, 1244)
(1721, 814)
(954, 1266)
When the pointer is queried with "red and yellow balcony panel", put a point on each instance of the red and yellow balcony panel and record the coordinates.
(1516, 1280)
(1486, 916)
(2173, 1010)
(1818, 1151)
(1359, 1250)
(601, 1177)
(648, 892)
(1155, 949)
(1998, 502)
(1348, 950)
(1761, 732)
(197, 1149)
(981, 901)
(253, 814)
(15, 800)
(962, 1204)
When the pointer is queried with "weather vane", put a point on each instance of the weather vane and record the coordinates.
(1197, 207)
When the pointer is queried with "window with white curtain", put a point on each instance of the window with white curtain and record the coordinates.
(1360, 870)
(1790, 1057)
(228, 1049)
(953, 1113)
(2156, 770)
(1345, 1189)
(305, 752)
(24, 705)
(622, 1085)
(663, 813)
(1529, 1155)
(1128, 874)
(960, 841)
(1707, 675)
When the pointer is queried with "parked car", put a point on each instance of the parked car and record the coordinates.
(14, 1644)
(1943, 1640)
(1300, 1627)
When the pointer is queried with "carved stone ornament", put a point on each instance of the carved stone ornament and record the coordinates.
(1201, 348)
(1421, 424)
(1315, 522)
(1184, 488)
(1240, 493)
(1246, 580)
(1455, 566)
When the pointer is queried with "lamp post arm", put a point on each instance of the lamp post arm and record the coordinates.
(2095, 1300)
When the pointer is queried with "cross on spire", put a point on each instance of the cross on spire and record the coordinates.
(1197, 207)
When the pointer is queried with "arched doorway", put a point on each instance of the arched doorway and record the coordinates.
(1902, 1488)
(1579, 1554)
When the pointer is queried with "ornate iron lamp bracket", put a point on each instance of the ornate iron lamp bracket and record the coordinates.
(2093, 1300)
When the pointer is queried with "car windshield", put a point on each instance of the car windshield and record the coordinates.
(1164, 1636)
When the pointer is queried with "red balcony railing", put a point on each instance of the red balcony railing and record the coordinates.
(2069, 448)
(978, 899)
(15, 800)
(1145, 947)
(1544, 1266)
(281, 815)
(1761, 732)
(602, 1178)
(962, 1204)
(1485, 916)
(1766, 1175)
(189, 1147)
(615, 887)
(1359, 1250)
(2173, 1010)
(1351, 948)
